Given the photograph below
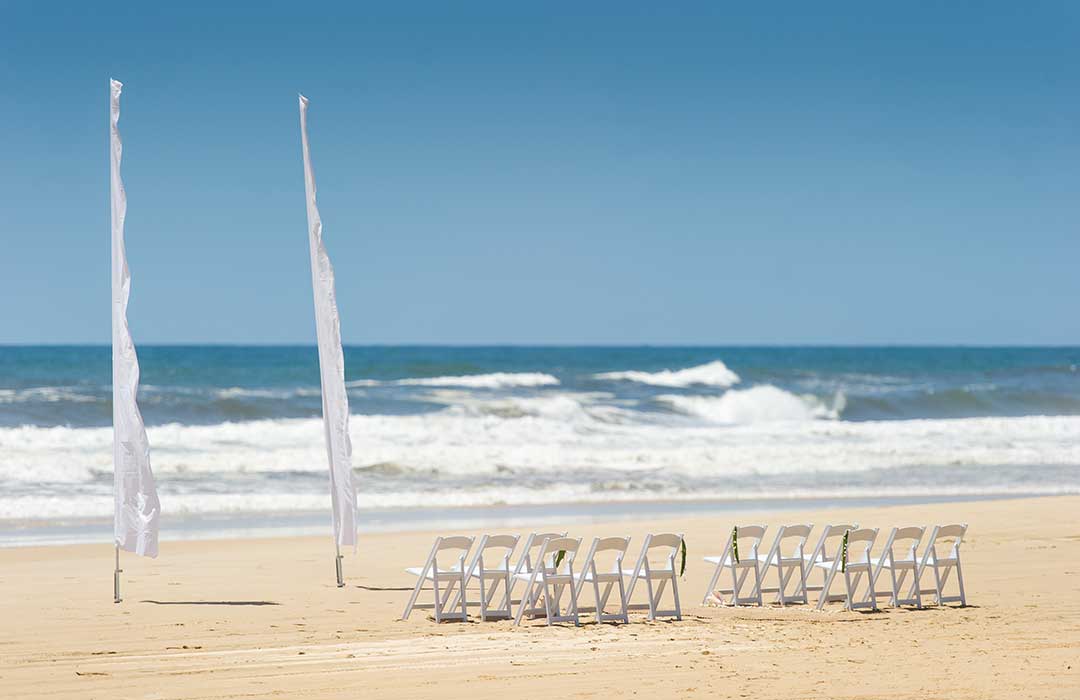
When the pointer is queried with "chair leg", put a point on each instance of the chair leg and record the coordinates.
(438, 604)
(960, 582)
(781, 584)
(624, 604)
(652, 600)
(757, 584)
(607, 593)
(916, 586)
(526, 599)
(574, 605)
(711, 588)
(675, 593)
(823, 597)
(464, 602)
(414, 596)
(742, 582)
(548, 602)
(804, 595)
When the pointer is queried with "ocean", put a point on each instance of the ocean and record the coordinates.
(236, 432)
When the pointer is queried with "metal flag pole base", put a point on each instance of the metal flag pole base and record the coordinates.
(337, 565)
(116, 577)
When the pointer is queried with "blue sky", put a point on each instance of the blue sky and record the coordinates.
(553, 173)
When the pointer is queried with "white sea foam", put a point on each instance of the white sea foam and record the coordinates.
(494, 380)
(46, 394)
(714, 373)
(759, 404)
(561, 432)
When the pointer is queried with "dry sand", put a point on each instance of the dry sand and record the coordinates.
(262, 618)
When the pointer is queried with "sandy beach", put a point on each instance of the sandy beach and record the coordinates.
(262, 618)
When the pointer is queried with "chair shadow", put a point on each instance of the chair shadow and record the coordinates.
(210, 602)
(387, 588)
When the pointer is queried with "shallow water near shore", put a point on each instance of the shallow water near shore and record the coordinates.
(30, 533)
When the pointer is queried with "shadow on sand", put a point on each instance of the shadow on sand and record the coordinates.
(210, 602)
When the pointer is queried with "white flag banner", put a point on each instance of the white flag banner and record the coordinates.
(335, 401)
(137, 508)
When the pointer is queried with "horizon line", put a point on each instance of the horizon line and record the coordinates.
(689, 346)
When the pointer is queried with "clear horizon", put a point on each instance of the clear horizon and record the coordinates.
(604, 176)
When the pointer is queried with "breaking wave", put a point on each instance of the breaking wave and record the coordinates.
(495, 380)
(759, 404)
(714, 373)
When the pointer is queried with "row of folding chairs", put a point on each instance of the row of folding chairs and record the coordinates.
(555, 578)
(841, 550)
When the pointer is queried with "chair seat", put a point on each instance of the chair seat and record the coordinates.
(526, 575)
(748, 560)
(419, 571)
(654, 573)
(610, 577)
(896, 564)
(941, 561)
(851, 565)
(789, 561)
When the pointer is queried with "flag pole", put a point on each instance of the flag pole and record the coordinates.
(116, 576)
(337, 562)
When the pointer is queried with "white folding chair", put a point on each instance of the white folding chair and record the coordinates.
(551, 582)
(741, 556)
(907, 562)
(662, 570)
(826, 550)
(788, 557)
(943, 565)
(589, 573)
(528, 560)
(443, 581)
(852, 561)
(489, 569)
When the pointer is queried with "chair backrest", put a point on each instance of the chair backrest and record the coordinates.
(790, 541)
(443, 544)
(605, 544)
(460, 542)
(749, 538)
(551, 548)
(590, 564)
(912, 536)
(859, 543)
(484, 561)
(533, 543)
(823, 551)
(946, 533)
(660, 550)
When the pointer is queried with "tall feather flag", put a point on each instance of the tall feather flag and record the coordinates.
(335, 401)
(135, 525)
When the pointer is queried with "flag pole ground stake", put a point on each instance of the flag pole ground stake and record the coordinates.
(337, 564)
